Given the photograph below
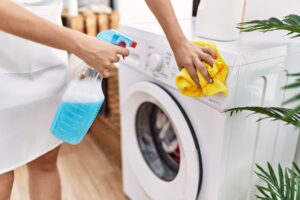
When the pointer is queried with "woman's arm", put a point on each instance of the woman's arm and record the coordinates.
(187, 54)
(20, 22)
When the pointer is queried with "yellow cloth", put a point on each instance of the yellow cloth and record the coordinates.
(218, 72)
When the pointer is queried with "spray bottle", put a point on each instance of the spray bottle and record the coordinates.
(83, 97)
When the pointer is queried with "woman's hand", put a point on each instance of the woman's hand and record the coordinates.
(21, 22)
(190, 56)
(187, 54)
(97, 54)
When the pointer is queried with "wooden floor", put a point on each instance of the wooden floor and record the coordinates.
(89, 171)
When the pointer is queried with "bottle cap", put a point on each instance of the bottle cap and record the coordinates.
(134, 43)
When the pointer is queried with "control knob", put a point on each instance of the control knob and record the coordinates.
(155, 62)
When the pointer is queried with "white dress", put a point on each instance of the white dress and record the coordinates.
(32, 79)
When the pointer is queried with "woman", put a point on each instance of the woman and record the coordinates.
(33, 62)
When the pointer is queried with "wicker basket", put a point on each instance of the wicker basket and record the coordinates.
(91, 23)
(113, 116)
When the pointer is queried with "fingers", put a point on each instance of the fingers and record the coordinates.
(106, 74)
(180, 67)
(207, 58)
(116, 59)
(122, 51)
(202, 69)
(193, 73)
(105, 71)
(210, 52)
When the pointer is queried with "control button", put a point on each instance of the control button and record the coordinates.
(155, 62)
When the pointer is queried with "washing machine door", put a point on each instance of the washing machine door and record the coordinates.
(160, 144)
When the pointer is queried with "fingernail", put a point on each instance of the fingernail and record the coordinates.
(211, 80)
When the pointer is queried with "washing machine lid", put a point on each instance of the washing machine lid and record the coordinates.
(249, 48)
(187, 181)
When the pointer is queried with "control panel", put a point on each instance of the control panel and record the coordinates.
(157, 61)
(161, 63)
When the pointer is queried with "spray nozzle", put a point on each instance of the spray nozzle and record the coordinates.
(116, 38)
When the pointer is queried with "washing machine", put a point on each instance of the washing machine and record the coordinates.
(176, 147)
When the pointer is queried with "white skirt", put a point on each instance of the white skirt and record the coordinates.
(24, 127)
(32, 79)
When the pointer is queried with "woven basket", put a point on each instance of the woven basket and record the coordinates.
(91, 23)
(112, 118)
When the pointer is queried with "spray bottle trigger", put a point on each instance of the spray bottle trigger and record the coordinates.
(122, 44)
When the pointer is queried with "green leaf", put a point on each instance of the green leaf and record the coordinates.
(297, 169)
(289, 33)
(293, 114)
(281, 180)
(276, 21)
(293, 99)
(264, 191)
(263, 198)
(292, 85)
(298, 190)
(272, 192)
(287, 182)
(289, 23)
(294, 74)
(271, 189)
(290, 116)
(272, 174)
(288, 187)
(294, 17)
(264, 177)
(297, 35)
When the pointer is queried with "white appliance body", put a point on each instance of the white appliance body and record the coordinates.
(217, 152)
(217, 20)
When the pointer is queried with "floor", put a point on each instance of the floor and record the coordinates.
(90, 170)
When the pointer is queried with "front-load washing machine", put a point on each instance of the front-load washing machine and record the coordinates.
(176, 147)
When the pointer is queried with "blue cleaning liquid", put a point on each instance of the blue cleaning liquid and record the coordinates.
(73, 119)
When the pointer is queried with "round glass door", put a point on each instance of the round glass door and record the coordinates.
(159, 144)
(158, 141)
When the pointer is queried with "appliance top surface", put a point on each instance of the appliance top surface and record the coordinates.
(265, 53)
(249, 45)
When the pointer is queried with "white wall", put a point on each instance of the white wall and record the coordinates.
(264, 9)
(136, 11)
(297, 156)
(84, 2)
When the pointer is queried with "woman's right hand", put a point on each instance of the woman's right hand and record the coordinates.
(25, 24)
(98, 54)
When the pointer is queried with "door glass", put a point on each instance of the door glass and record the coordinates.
(158, 141)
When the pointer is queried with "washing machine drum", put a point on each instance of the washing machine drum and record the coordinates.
(160, 144)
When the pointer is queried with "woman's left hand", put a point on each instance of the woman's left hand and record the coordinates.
(190, 56)
(187, 55)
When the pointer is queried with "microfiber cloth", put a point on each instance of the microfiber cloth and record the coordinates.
(218, 72)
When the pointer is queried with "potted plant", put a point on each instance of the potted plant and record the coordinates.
(285, 183)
